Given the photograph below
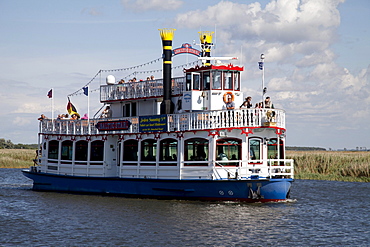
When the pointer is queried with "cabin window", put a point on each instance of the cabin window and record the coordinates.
(168, 151)
(196, 81)
(188, 82)
(228, 81)
(129, 109)
(228, 149)
(53, 149)
(97, 151)
(67, 150)
(196, 149)
(255, 149)
(206, 80)
(236, 81)
(273, 149)
(216, 77)
(130, 151)
(148, 151)
(81, 150)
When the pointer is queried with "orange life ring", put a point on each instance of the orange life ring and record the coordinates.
(227, 95)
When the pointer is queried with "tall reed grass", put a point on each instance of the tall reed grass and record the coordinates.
(322, 165)
(327, 165)
(16, 158)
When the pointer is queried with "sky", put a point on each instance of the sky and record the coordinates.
(317, 65)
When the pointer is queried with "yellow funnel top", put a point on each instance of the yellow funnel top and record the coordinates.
(167, 33)
(206, 36)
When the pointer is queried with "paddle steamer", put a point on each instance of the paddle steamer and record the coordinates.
(170, 138)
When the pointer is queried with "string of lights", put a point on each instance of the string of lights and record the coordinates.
(81, 91)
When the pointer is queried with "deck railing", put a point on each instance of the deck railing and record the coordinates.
(213, 170)
(175, 122)
(141, 89)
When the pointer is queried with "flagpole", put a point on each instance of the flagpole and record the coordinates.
(52, 103)
(263, 79)
(88, 110)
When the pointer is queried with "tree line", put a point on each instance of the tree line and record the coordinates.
(8, 144)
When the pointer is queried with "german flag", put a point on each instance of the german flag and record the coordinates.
(71, 109)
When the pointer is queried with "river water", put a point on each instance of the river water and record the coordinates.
(320, 213)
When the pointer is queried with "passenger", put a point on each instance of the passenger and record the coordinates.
(268, 103)
(107, 113)
(42, 117)
(152, 77)
(85, 116)
(65, 116)
(230, 105)
(247, 103)
(74, 117)
(259, 105)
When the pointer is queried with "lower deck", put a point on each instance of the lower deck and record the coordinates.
(232, 154)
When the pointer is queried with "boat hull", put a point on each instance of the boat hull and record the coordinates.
(257, 190)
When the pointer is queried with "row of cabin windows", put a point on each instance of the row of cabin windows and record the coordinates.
(215, 80)
(196, 149)
(66, 153)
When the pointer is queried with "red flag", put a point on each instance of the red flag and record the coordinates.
(50, 94)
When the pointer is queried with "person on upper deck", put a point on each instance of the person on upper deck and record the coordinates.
(268, 103)
(42, 117)
(230, 105)
(247, 103)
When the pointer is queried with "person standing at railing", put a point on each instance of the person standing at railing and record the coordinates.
(247, 104)
(268, 103)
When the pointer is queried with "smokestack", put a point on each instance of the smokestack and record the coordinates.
(167, 106)
(206, 43)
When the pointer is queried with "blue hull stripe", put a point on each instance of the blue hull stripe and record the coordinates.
(226, 190)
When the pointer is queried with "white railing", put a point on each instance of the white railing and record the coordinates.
(175, 122)
(141, 89)
(213, 170)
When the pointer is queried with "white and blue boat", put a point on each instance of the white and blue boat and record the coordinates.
(170, 138)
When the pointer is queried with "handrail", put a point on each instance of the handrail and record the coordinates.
(140, 89)
(205, 120)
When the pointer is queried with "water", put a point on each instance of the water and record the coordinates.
(321, 213)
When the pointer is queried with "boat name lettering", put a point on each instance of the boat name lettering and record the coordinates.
(113, 125)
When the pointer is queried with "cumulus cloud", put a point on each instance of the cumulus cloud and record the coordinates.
(144, 5)
(296, 37)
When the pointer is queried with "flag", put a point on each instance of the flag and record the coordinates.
(71, 109)
(50, 94)
(260, 64)
(86, 91)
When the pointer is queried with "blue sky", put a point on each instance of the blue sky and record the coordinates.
(316, 66)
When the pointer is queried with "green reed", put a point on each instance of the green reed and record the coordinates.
(16, 158)
(328, 165)
(321, 165)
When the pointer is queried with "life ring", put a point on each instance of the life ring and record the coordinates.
(227, 95)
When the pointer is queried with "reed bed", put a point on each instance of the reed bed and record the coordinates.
(321, 165)
(331, 165)
(16, 158)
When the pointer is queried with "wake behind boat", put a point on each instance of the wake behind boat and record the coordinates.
(176, 138)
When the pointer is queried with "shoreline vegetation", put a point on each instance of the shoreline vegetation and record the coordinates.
(350, 166)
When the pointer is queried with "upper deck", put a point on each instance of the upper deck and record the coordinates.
(139, 90)
(189, 121)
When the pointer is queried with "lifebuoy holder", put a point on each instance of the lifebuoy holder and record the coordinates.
(228, 95)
